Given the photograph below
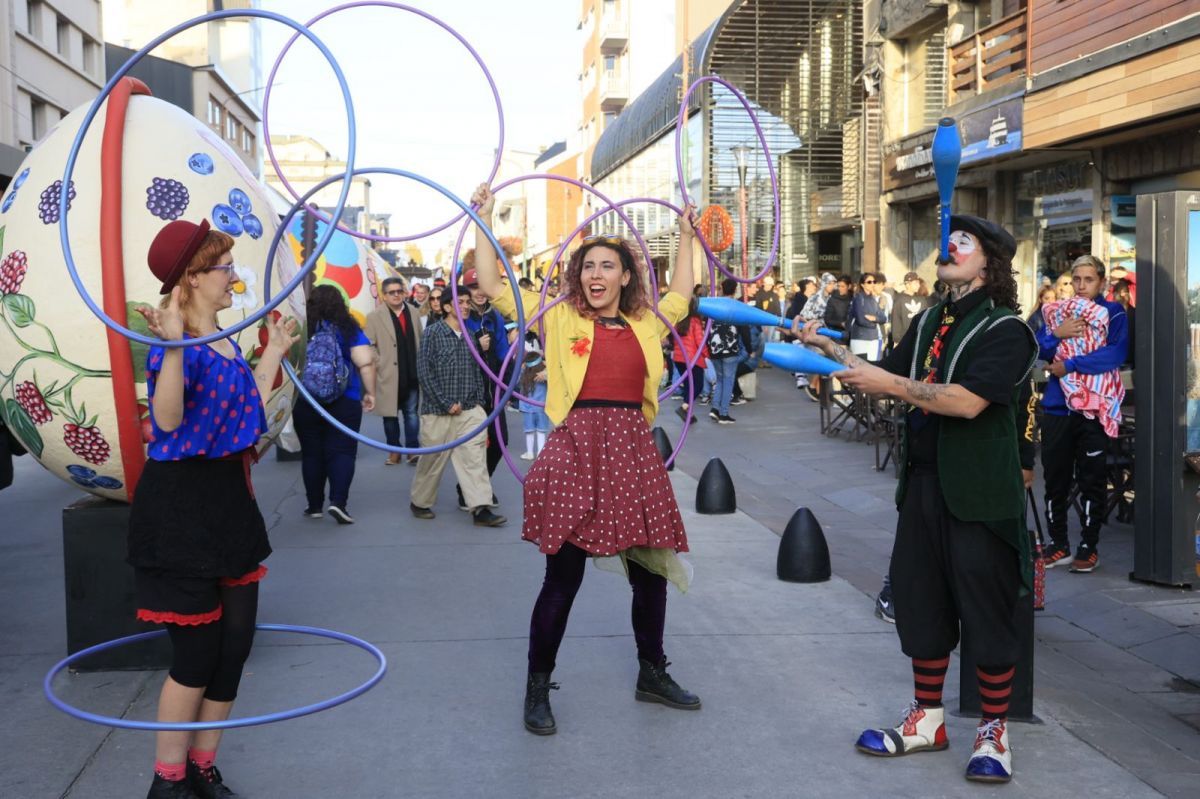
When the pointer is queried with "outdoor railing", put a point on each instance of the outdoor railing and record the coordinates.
(991, 57)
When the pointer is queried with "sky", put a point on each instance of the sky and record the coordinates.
(421, 101)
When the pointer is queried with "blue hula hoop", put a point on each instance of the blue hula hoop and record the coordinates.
(228, 724)
(306, 267)
(291, 372)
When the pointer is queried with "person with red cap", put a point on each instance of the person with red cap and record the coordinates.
(196, 536)
(962, 553)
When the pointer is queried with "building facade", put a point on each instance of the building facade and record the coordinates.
(797, 62)
(1068, 111)
(213, 71)
(51, 62)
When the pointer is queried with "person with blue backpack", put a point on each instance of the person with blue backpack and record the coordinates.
(339, 372)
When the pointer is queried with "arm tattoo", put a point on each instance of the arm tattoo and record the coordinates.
(921, 392)
(843, 355)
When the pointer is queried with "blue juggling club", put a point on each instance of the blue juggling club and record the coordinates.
(799, 359)
(734, 312)
(947, 155)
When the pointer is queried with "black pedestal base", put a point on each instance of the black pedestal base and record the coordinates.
(99, 587)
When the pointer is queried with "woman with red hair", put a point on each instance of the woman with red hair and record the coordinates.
(599, 489)
(196, 537)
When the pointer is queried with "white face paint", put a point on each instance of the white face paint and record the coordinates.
(964, 242)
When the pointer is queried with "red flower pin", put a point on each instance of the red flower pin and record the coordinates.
(580, 345)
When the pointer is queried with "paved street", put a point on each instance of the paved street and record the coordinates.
(789, 674)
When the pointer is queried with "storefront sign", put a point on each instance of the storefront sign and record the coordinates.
(1053, 180)
(1059, 209)
(910, 162)
(992, 131)
(987, 133)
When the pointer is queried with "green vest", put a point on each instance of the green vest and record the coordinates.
(978, 463)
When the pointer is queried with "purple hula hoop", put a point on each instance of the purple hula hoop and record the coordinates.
(762, 139)
(399, 7)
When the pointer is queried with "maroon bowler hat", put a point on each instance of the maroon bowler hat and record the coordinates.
(172, 250)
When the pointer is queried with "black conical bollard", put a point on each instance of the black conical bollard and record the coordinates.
(803, 553)
(664, 446)
(715, 493)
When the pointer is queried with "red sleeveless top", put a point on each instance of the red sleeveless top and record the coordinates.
(616, 371)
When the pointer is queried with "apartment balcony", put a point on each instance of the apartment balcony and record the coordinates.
(614, 32)
(992, 57)
(614, 90)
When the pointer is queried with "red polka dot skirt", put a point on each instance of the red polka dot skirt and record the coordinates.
(600, 484)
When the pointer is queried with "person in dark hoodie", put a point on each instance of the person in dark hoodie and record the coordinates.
(837, 308)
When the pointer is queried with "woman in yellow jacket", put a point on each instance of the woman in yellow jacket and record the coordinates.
(599, 488)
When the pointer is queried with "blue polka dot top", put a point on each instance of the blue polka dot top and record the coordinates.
(222, 413)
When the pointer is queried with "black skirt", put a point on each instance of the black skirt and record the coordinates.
(197, 518)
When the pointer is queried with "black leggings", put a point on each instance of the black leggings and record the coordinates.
(564, 573)
(211, 656)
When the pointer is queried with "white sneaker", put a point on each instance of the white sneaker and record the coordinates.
(992, 759)
(922, 729)
(527, 456)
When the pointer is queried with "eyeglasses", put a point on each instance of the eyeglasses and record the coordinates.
(226, 268)
(615, 241)
(390, 292)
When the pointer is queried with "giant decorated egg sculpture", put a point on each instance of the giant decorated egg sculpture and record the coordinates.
(73, 392)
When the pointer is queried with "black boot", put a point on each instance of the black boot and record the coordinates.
(167, 789)
(539, 719)
(655, 685)
(207, 782)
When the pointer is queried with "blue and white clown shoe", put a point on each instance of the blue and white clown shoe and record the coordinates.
(922, 729)
(992, 759)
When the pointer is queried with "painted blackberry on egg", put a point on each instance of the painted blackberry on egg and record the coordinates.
(51, 196)
(167, 198)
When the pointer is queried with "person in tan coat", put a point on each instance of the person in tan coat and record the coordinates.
(394, 330)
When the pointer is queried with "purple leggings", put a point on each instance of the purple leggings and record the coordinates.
(564, 573)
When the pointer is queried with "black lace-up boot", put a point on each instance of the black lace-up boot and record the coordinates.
(539, 719)
(655, 685)
(163, 788)
(207, 782)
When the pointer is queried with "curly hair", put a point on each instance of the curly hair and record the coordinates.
(1000, 282)
(326, 304)
(634, 297)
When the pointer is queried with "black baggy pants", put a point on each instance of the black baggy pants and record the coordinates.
(945, 573)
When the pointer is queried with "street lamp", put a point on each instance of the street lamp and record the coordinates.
(740, 154)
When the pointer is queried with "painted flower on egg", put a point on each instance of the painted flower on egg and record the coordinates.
(244, 281)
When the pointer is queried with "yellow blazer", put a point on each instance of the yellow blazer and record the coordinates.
(569, 339)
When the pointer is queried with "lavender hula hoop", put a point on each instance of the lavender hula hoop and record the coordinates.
(544, 307)
(762, 139)
(248, 721)
(269, 304)
(399, 7)
(291, 372)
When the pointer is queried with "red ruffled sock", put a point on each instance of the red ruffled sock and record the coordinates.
(173, 772)
(203, 760)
